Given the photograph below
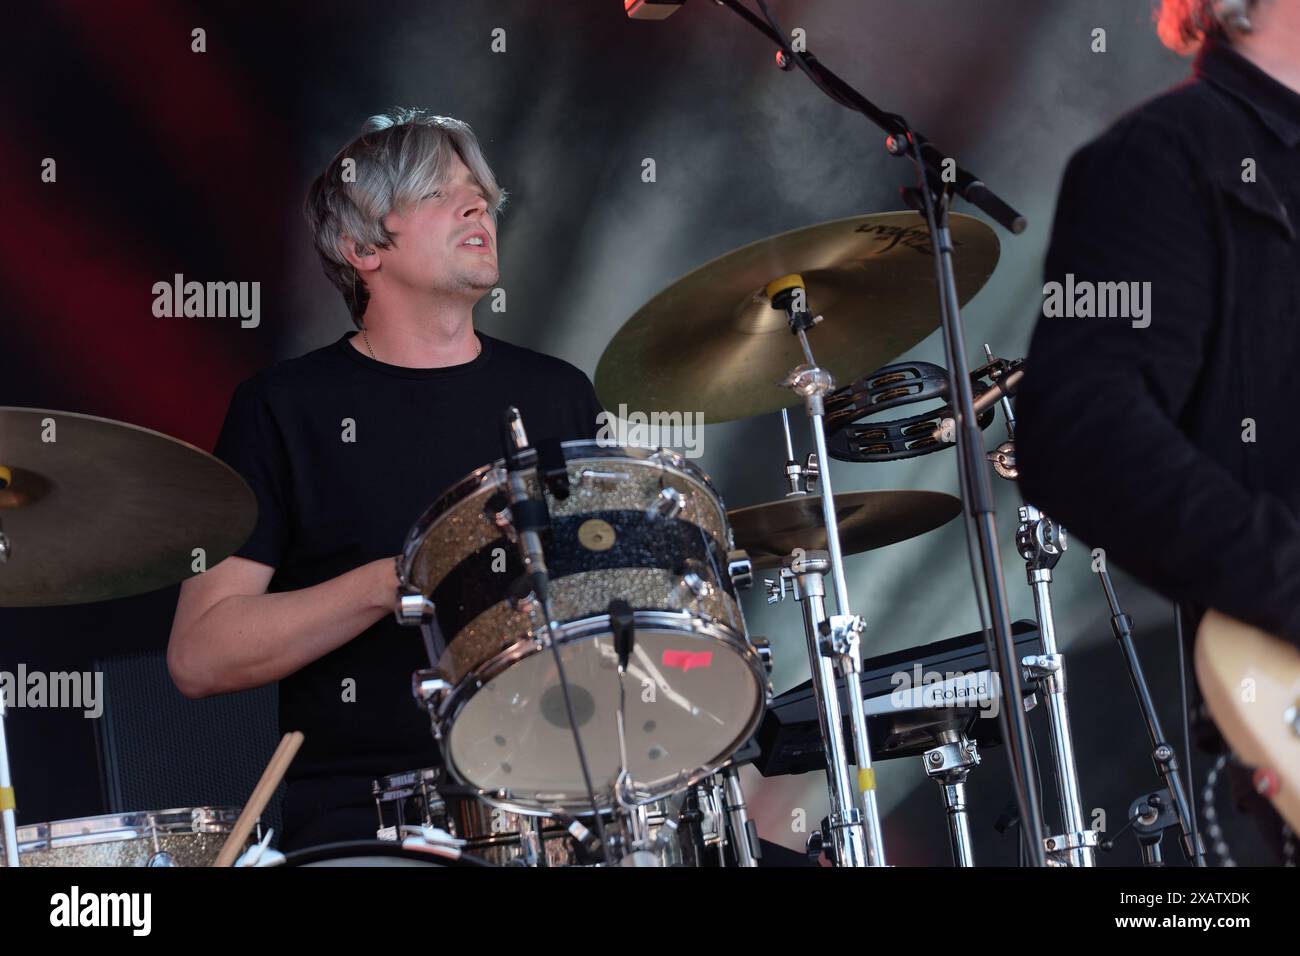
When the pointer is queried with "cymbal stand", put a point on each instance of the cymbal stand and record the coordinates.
(804, 573)
(835, 639)
(1041, 542)
(7, 805)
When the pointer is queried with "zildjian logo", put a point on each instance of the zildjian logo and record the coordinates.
(914, 237)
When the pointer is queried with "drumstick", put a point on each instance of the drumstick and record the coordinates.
(271, 777)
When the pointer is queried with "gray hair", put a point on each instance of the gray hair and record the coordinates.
(398, 157)
(1183, 25)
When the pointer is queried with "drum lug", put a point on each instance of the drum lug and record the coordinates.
(666, 457)
(693, 581)
(669, 504)
(429, 690)
(413, 609)
(740, 569)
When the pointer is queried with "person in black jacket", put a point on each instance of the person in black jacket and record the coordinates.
(1157, 418)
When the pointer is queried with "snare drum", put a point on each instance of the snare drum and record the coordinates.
(421, 798)
(189, 836)
(642, 525)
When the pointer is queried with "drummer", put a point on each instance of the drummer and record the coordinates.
(346, 446)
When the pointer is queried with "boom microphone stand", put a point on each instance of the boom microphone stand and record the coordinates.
(938, 178)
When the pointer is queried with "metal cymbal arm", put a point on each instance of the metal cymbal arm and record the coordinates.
(837, 637)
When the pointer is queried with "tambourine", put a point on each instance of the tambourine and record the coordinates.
(905, 383)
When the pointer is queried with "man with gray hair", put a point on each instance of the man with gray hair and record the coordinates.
(346, 446)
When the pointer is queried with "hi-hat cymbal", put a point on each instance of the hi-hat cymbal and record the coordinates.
(867, 520)
(712, 343)
(97, 509)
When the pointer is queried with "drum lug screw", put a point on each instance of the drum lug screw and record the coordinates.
(776, 590)
(811, 471)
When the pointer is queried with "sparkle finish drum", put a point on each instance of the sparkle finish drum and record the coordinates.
(190, 836)
(641, 525)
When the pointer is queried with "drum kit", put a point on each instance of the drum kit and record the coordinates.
(593, 685)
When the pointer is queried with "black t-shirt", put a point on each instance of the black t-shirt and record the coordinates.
(344, 454)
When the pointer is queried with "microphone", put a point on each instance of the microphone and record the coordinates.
(530, 516)
(652, 9)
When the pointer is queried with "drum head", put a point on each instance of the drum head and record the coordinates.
(692, 698)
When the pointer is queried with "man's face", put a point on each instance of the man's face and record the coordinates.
(433, 249)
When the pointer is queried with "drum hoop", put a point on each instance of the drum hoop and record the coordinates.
(493, 474)
(120, 827)
(362, 848)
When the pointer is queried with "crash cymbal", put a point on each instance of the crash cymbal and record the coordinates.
(97, 509)
(867, 519)
(712, 343)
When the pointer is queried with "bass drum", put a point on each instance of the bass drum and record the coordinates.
(641, 525)
(372, 853)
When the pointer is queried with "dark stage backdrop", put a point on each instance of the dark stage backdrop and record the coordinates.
(174, 161)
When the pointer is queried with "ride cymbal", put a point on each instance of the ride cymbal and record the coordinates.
(712, 343)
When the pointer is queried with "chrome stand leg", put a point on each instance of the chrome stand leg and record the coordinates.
(1042, 542)
(847, 834)
(949, 765)
(837, 638)
(743, 832)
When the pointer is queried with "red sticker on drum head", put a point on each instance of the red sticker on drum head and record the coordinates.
(687, 659)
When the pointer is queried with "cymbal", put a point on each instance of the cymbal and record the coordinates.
(867, 520)
(712, 343)
(107, 510)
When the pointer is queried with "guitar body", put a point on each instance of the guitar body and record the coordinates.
(1251, 684)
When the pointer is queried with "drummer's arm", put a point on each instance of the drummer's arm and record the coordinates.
(229, 634)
